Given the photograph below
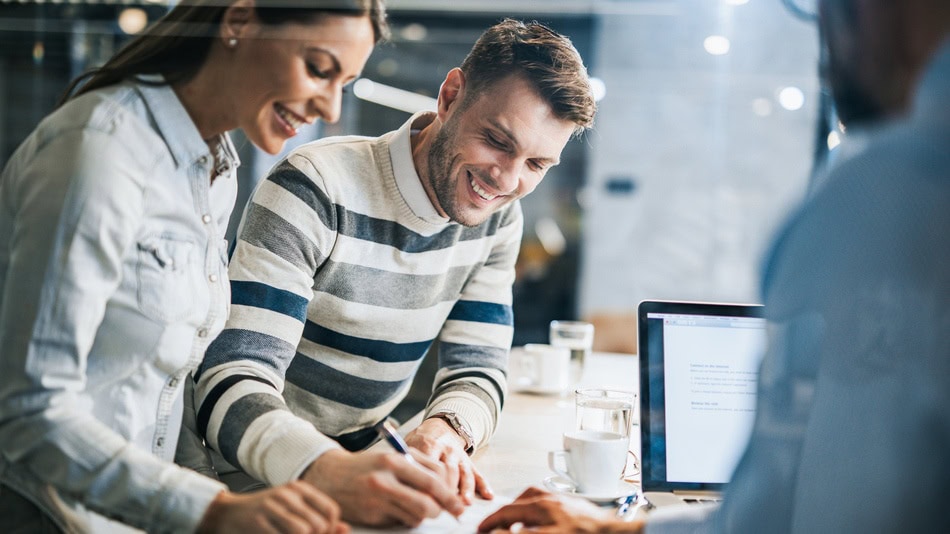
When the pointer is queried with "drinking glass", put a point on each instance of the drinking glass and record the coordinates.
(609, 410)
(606, 410)
(577, 336)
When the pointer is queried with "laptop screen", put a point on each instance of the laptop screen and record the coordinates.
(699, 366)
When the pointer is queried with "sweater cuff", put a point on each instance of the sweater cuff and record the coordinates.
(281, 457)
(323, 448)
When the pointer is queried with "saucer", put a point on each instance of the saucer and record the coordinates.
(540, 390)
(559, 484)
(523, 386)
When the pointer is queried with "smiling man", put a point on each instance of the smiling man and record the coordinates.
(356, 254)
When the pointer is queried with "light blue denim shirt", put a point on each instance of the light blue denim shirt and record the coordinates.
(113, 280)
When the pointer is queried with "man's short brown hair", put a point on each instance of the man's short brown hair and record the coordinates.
(545, 58)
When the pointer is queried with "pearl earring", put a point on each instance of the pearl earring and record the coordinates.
(232, 42)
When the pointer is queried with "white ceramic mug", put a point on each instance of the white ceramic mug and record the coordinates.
(592, 460)
(542, 368)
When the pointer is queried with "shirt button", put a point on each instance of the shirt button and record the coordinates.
(203, 332)
(206, 218)
(203, 159)
(213, 278)
(173, 382)
(160, 442)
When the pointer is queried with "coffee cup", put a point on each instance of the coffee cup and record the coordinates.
(541, 368)
(592, 460)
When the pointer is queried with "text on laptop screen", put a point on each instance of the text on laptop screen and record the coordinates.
(710, 374)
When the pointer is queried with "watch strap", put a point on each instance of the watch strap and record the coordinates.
(456, 423)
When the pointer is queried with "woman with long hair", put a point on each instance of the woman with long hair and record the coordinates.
(113, 266)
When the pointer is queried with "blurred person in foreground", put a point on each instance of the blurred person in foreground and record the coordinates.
(852, 432)
(113, 265)
(356, 254)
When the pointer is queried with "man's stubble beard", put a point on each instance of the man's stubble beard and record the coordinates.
(440, 176)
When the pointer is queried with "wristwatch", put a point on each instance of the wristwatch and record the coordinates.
(456, 423)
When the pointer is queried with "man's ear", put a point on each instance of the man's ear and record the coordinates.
(451, 93)
(237, 19)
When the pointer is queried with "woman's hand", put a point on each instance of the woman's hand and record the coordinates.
(293, 508)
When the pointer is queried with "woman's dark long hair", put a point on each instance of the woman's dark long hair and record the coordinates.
(177, 45)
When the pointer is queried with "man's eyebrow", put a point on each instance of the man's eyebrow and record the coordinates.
(514, 141)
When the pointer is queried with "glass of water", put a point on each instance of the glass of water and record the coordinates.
(577, 336)
(609, 410)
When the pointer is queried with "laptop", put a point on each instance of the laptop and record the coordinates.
(699, 368)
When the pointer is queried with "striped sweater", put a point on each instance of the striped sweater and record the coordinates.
(342, 277)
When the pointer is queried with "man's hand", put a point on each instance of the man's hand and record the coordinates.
(296, 507)
(543, 512)
(384, 488)
(440, 441)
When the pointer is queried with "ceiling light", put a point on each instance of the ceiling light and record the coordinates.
(393, 97)
(550, 235)
(132, 20)
(598, 88)
(414, 32)
(791, 98)
(762, 107)
(716, 45)
(387, 67)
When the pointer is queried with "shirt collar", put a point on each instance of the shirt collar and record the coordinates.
(404, 170)
(179, 130)
(226, 160)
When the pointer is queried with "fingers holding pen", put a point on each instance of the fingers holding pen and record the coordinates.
(429, 476)
(384, 488)
(437, 439)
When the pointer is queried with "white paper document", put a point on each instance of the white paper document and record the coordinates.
(445, 523)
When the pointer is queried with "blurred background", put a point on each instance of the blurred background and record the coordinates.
(711, 122)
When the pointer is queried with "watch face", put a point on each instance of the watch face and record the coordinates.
(456, 423)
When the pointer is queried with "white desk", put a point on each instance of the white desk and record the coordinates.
(530, 426)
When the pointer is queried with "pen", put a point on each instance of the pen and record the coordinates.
(387, 432)
(625, 505)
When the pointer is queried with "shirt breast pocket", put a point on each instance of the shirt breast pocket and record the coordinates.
(168, 272)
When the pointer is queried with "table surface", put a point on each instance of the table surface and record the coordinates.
(530, 426)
